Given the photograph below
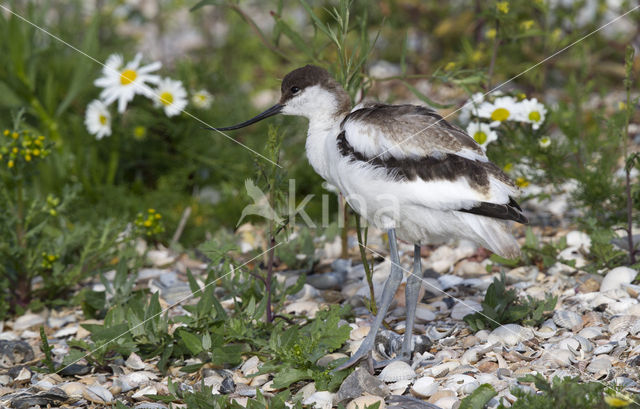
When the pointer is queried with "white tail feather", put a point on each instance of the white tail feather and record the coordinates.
(493, 234)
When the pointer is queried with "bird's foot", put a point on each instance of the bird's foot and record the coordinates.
(365, 351)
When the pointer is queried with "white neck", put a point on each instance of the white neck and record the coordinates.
(323, 109)
(322, 131)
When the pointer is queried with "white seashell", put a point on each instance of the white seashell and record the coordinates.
(457, 381)
(320, 400)
(585, 344)
(97, 394)
(398, 388)
(308, 308)
(567, 319)
(442, 369)
(397, 371)
(250, 366)
(449, 281)
(568, 344)
(579, 239)
(359, 333)
(66, 331)
(327, 359)
(464, 308)
(573, 253)
(442, 259)
(599, 366)
(147, 390)
(509, 334)
(559, 357)
(134, 362)
(435, 333)
(424, 387)
(628, 323)
(468, 388)
(138, 378)
(446, 402)
(547, 329)
(604, 349)
(617, 277)
(366, 401)
(73, 389)
(27, 320)
(424, 314)
(590, 332)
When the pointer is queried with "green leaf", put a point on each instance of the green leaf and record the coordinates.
(479, 398)
(192, 342)
(424, 98)
(286, 376)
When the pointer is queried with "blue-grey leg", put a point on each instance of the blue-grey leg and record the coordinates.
(390, 288)
(412, 292)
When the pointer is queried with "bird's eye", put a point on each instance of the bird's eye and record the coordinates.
(295, 90)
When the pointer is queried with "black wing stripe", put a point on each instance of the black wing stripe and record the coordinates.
(511, 211)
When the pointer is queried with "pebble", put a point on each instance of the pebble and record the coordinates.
(617, 278)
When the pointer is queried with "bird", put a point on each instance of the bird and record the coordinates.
(407, 171)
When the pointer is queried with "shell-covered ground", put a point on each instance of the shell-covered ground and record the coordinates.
(591, 334)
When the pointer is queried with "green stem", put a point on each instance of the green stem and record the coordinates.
(114, 158)
(23, 292)
(365, 262)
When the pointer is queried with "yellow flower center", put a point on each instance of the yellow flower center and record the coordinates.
(166, 98)
(103, 120)
(480, 137)
(500, 114)
(534, 116)
(128, 76)
(522, 182)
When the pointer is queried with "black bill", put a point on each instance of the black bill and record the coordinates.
(274, 110)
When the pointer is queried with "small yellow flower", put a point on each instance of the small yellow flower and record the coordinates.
(147, 223)
(450, 66)
(10, 164)
(139, 133)
(158, 216)
(503, 7)
(36, 152)
(15, 135)
(6, 132)
(491, 33)
(14, 150)
(544, 142)
(622, 105)
(151, 211)
(500, 114)
(527, 25)
(618, 400)
(477, 56)
(27, 158)
(522, 182)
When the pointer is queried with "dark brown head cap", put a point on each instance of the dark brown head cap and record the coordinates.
(309, 75)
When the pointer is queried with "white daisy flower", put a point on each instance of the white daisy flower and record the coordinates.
(544, 142)
(202, 99)
(471, 107)
(123, 83)
(502, 109)
(171, 95)
(97, 119)
(482, 133)
(533, 112)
